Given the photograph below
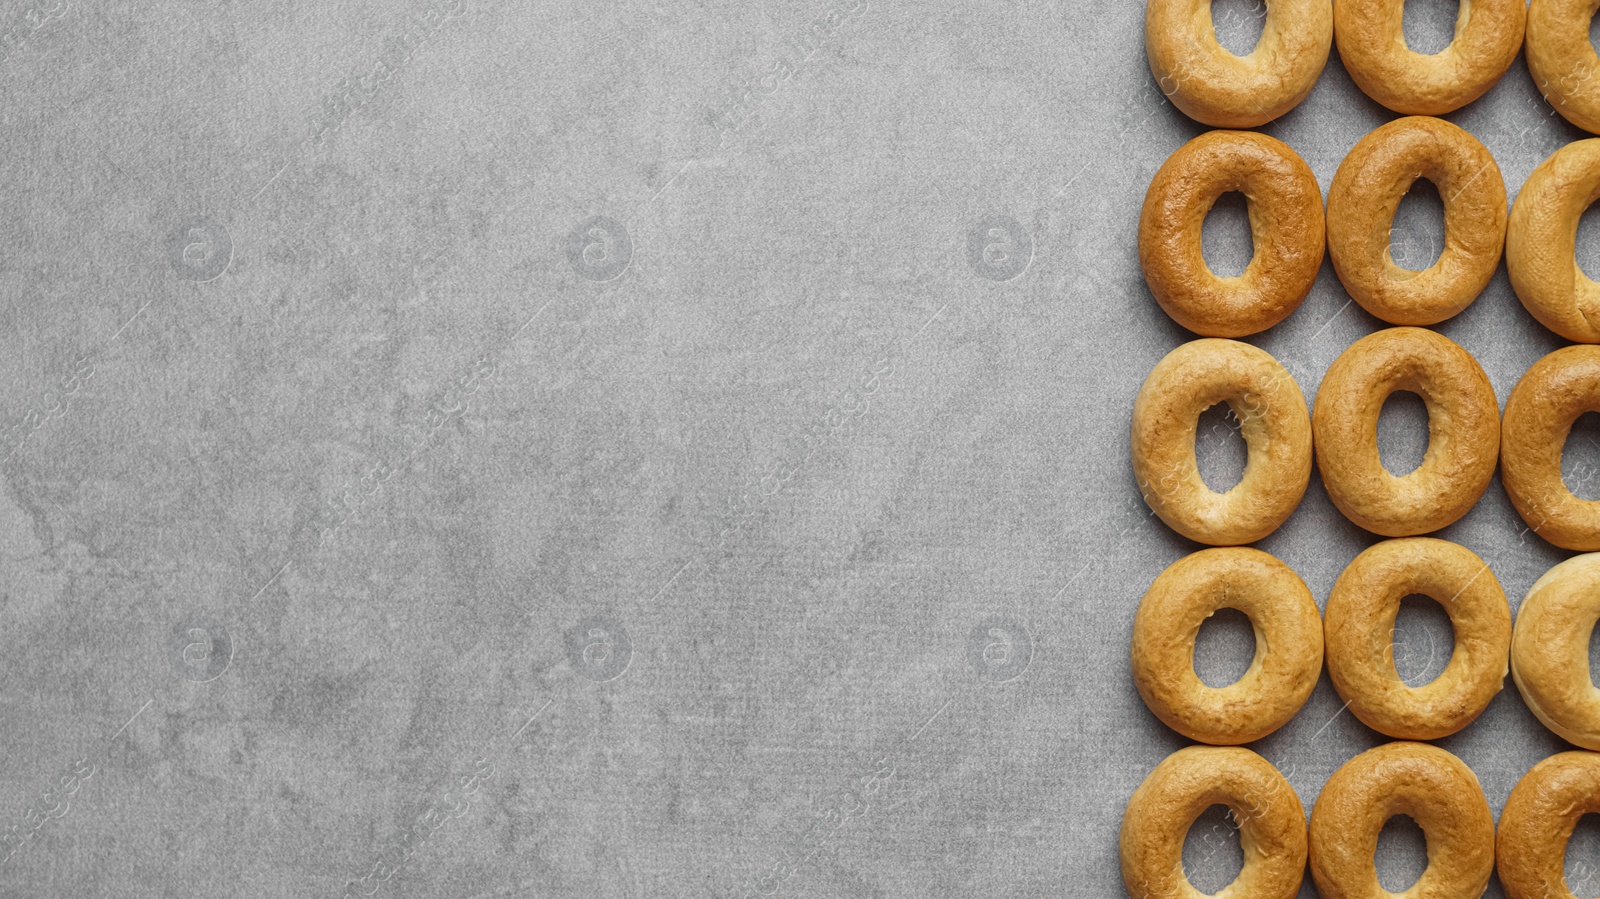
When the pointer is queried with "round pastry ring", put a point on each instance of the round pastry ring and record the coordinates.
(1550, 650)
(1538, 821)
(1420, 780)
(1562, 60)
(1286, 225)
(1372, 46)
(1211, 85)
(1366, 192)
(1359, 623)
(1548, 399)
(1288, 654)
(1271, 821)
(1463, 431)
(1541, 236)
(1273, 422)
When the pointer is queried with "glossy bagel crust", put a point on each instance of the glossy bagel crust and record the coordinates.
(1538, 820)
(1541, 237)
(1550, 650)
(1360, 637)
(1212, 85)
(1273, 422)
(1463, 431)
(1430, 785)
(1539, 414)
(1562, 60)
(1372, 45)
(1288, 657)
(1272, 829)
(1286, 224)
(1367, 190)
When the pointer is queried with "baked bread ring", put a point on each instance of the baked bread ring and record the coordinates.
(1550, 650)
(1562, 60)
(1212, 85)
(1433, 787)
(1359, 624)
(1542, 234)
(1537, 823)
(1366, 191)
(1288, 656)
(1286, 224)
(1272, 824)
(1372, 44)
(1273, 420)
(1463, 431)
(1539, 415)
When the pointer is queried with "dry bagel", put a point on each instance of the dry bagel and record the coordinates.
(1214, 86)
(1288, 657)
(1272, 824)
(1359, 624)
(1430, 785)
(1542, 234)
(1273, 421)
(1538, 820)
(1367, 190)
(1562, 60)
(1463, 431)
(1539, 414)
(1286, 224)
(1372, 45)
(1550, 650)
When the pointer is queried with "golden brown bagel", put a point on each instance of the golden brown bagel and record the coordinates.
(1541, 236)
(1550, 650)
(1215, 87)
(1562, 60)
(1372, 44)
(1272, 824)
(1360, 637)
(1273, 421)
(1430, 785)
(1538, 820)
(1463, 431)
(1366, 191)
(1539, 415)
(1288, 655)
(1286, 225)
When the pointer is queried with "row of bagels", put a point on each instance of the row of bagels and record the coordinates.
(1435, 788)
(1214, 86)
(1291, 231)
(1467, 438)
(1547, 652)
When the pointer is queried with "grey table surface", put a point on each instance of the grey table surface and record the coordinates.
(484, 449)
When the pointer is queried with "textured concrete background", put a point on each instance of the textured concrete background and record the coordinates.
(484, 449)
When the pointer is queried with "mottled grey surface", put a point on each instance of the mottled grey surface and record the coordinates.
(467, 448)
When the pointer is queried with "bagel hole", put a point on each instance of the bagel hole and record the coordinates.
(1224, 648)
(1424, 640)
(1580, 457)
(1587, 249)
(1212, 855)
(1416, 235)
(1402, 433)
(1429, 25)
(1594, 32)
(1582, 867)
(1402, 854)
(1225, 238)
(1238, 24)
(1219, 448)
